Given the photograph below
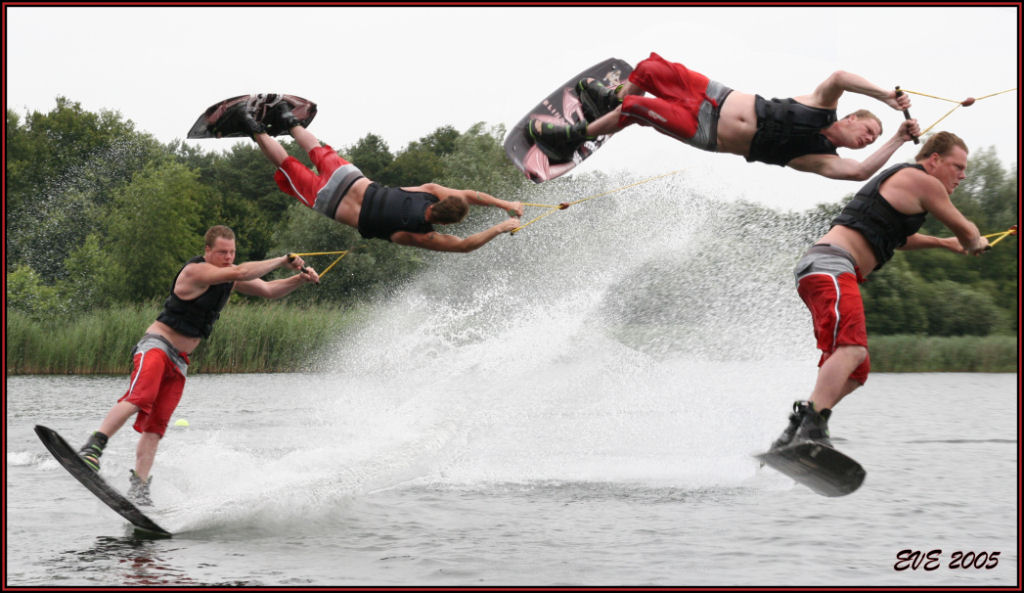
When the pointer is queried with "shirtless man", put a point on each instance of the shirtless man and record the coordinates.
(802, 133)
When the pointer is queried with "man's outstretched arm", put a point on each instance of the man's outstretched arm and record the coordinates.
(827, 94)
(438, 242)
(276, 289)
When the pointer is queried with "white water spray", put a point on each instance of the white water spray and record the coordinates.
(652, 337)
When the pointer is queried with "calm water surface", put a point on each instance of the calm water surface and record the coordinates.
(279, 481)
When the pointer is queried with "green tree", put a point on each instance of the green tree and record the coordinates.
(442, 141)
(955, 309)
(26, 293)
(154, 228)
(894, 300)
(371, 154)
(93, 277)
(62, 168)
(479, 162)
(415, 166)
(421, 161)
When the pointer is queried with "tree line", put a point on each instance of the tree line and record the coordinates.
(100, 215)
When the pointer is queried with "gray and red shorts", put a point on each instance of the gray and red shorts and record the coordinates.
(157, 381)
(827, 277)
(685, 106)
(321, 192)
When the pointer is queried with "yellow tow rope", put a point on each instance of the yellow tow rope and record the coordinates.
(312, 253)
(965, 103)
(556, 207)
(1011, 231)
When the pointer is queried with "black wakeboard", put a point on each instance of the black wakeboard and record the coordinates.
(222, 120)
(70, 460)
(822, 469)
(562, 106)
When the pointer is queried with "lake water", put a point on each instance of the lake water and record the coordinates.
(279, 481)
(575, 405)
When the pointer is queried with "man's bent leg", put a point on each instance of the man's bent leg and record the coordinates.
(834, 382)
(117, 416)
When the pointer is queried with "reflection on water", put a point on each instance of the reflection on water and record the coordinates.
(136, 560)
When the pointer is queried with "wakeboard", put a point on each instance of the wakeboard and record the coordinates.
(77, 467)
(223, 119)
(561, 107)
(822, 469)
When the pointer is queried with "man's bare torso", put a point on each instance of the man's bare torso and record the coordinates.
(352, 203)
(737, 123)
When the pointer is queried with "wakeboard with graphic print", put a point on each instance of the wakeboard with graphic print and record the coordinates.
(224, 119)
(562, 107)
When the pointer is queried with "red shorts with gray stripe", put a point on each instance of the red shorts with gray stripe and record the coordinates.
(295, 179)
(678, 95)
(156, 387)
(838, 313)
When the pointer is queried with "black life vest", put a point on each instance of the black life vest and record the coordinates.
(195, 318)
(870, 214)
(787, 129)
(386, 210)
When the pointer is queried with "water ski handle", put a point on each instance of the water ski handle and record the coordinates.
(906, 113)
(291, 258)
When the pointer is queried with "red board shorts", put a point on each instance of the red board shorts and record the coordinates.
(685, 105)
(295, 179)
(157, 381)
(827, 283)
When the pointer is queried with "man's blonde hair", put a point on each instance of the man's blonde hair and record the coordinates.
(865, 114)
(942, 143)
(218, 232)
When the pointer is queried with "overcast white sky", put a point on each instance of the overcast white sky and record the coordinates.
(402, 72)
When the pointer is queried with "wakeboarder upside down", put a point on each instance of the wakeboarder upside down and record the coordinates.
(342, 193)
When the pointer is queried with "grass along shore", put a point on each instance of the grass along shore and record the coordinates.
(248, 338)
(937, 354)
(278, 337)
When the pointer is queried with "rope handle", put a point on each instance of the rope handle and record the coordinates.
(292, 256)
(906, 113)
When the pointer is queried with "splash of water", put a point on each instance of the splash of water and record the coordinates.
(653, 337)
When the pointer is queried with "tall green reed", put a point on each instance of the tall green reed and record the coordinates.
(248, 338)
(931, 354)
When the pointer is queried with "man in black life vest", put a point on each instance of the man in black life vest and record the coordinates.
(160, 359)
(883, 216)
(802, 132)
(340, 192)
